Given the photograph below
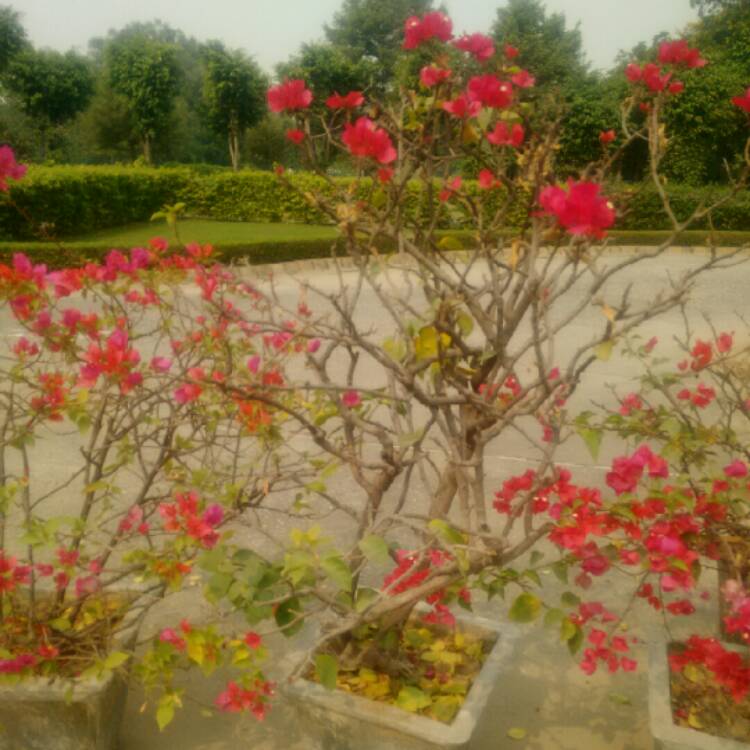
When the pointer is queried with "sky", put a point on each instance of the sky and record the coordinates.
(272, 30)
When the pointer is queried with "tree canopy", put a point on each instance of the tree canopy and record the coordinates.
(12, 35)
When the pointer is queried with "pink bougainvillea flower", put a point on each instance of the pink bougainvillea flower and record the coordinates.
(481, 47)
(161, 364)
(351, 399)
(187, 393)
(607, 136)
(503, 135)
(213, 515)
(736, 469)
(365, 139)
(680, 53)
(580, 209)
(743, 102)
(352, 100)
(632, 402)
(487, 180)
(10, 169)
(295, 135)
(724, 342)
(432, 75)
(462, 107)
(524, 79)
(434, 25)
(489, 91)
(627, 470)
(288, 96)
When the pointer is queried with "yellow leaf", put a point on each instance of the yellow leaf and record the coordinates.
(609, 313)
(604, 350)
(196, 652)
(517, 733)
(694, 721)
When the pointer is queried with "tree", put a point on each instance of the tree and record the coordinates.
(234, 91)
(50, 87)
(12, 36)
(373, 30)
(144, 71)
(552, 51)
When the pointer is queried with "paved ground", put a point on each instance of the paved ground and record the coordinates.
(543, 691)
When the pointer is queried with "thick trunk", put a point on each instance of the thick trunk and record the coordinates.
(147, 149)
(234, 150)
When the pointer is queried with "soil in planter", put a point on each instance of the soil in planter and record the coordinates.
(74, 636)
(698, 703)
(430, 674)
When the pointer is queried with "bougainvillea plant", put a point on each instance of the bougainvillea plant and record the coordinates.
(469, 349)
(357, 477)
(123, 466)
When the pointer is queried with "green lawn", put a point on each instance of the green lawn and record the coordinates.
(216, 232)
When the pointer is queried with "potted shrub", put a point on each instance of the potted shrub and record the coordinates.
(465, 349)
(119, 470)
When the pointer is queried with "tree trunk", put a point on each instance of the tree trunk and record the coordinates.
(147, 149)
(234, 150)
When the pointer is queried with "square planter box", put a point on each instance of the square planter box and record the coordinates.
(335, 720)
(666, 734)
(40, 714)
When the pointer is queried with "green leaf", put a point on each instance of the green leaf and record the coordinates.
(375, 549)
(604, 350)
(569, 599)
(525, 608)
(446, 532)
(165, 712)
(327, 669)
(412, 699)
(286, 616)
(517, 733)
(365, 597)
(575, 643)
(568, 630)
(450, 242)
(620, 699)
(116, 659)
(553, 617)
(593, 440)
(560, 569)
(338, 571)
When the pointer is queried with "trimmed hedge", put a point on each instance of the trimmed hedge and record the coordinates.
(75, 200)
(78, 200)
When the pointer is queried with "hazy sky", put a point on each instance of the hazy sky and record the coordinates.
(273, 29)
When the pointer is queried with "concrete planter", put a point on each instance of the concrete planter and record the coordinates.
(38, 714)
(334, 720)
(666, 734)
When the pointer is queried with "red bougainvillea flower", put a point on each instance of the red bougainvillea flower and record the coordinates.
(351, 399)
(680, 53)
(236, 699)
(385, 175)
(743, 102)
(289, 96)
(480, 46)
(632, 402)
(365, 139)
(702, 354)
(724, 342)
(253, 640)
(295, 135)
(654, 78)
(487, 180)
(523, 80)
(676, 87)
(510, 51)
(435, 25)
(431, 75)
(489, 91)
(633, 73)
(462, 107)
(607, 136)
(449, 188)
(502, 135)
(352, 100)
(627, 470)
(580, 209)
(10, 169)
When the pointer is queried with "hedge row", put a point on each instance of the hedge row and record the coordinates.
(79, 253)
(78, 200)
